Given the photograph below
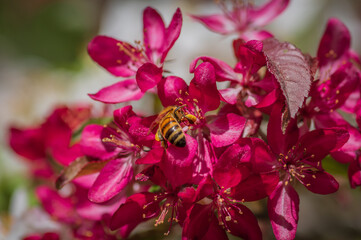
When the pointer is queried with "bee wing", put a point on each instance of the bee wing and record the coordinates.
(164, 112)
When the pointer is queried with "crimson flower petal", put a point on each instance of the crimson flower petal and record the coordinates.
(216, 22)
(92, 145)
(177, 163)
(199, 222)
(230, 95)
(172, 33)
(133, 212)
(228, 171)
(170, 88)
(57, 206)
(335, 42)
(112, 179)
(354, 173)
(243, 223)
(226, 129)
(105, 51)
(148, 76)
(154, 33)
(28, 143)
(263, 160)
(119, 92)
(283, 208)
(317, 144)
(278, 141)
(223, 71)
(203, 87)
(319, 182)
(152, 157)
(266, 13)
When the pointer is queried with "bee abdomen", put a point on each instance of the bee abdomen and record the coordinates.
(177, 138)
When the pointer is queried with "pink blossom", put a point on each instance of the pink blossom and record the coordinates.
(244, 18)
(143, 61)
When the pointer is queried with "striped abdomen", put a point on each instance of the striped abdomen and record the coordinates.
(172, 132)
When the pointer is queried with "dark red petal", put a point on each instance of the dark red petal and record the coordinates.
(255, 187)
(198, 222)
(223, 71)
(317, 144)
(171, 88)
(28, 143)
(203, 87)
(226, 129)
(283, 208)
(105, 51)
(172, 33)
(59, 207)
(280, 142)
(133, 212)
(319, 182)
(263, 159)
(354, 173)
(148, 76)
(119, 92)
(243, 223)
(335, 42)
(154, 33)
(113, 178)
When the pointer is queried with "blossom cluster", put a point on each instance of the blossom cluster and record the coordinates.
(197, 162)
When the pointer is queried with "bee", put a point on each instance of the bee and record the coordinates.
(169, 129)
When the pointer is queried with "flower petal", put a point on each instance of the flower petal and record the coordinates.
(92, 145)
(263, 160)
(243, 223)
(172, 33)
(319, 182)
(283, 208)
(119, 92)
(148, 76)
(177, 163)
(107, 53)
(154, 33)
(171, 88)
(227, 129)
(266, 13)
(203, 87)
(354, 173)
(112, 179)
(335, 42)
(133, 211)
(216, 23)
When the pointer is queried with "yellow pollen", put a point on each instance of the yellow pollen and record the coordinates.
(294, 147)
(180, 92)
(337, 91)
(308, 184)
(313, 155)
(286, 157)
(186, 93)
(240, 212)
(235, 221)
(228, 218)
(314, 176)
(336, 101)
(286, 183)
(195, 100)
(155, 198)
(145, 206)
(143, 215)
(119, 61)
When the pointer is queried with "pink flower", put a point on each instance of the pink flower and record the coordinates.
(143, 61)
(191, 164)
(244, 18)
(119, 144)
(51, 138)
(218, 203)
(292, 158)
(143, 206)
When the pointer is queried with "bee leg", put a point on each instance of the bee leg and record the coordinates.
(159, 137)
(191, 118)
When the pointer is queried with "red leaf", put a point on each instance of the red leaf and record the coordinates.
(291, 69)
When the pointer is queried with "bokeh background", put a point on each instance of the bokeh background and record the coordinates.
(44, 62)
